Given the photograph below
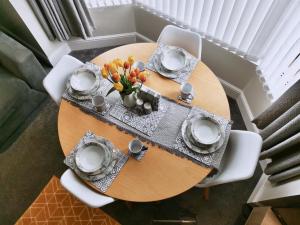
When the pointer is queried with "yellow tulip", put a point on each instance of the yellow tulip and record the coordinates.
(118, 86)
(112, 67)
(131, 60)
(143, 76)
(115, 61)
(118, 62)
(104, 72)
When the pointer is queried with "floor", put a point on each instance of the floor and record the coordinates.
(29, 163)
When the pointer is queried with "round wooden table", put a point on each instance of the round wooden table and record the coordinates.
(159, 175)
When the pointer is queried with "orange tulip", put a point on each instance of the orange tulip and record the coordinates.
(132, 80)
(137, 71)
(116, 77)
(143, 76)
(133, 74)
(106, 66)
(143, 79)
(126, 65)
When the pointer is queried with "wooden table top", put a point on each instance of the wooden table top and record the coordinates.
(159, 175)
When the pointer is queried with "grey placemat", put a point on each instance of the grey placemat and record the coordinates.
(104, 183)
(214, 158)
(184, 74)
(167, 131)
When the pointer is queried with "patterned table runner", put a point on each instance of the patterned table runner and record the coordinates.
(165, 131)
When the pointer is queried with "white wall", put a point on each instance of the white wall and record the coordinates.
(113, 20)
(266, 193)
(256, 96)
(108, 21)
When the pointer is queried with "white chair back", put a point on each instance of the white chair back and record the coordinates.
(188, 40)
(55, 81)
(240, 158)
(82, 192)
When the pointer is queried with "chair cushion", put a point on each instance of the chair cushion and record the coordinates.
(21, 62)
(11, 94)
(17, 102)
(56, 205)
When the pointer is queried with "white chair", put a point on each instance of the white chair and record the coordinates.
(55, 81)
(82, 192)
(188, 40)
(240, 159)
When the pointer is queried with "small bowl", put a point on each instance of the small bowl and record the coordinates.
(90, 157)
(173, 59)
(83, 80)
(205, 131)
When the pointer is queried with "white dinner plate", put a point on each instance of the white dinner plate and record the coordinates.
(91, 157)
(159, 68)
(98, 176)
(107, 169)
(205, 130)
(83, 80)
(191, 144)
(80, 95)
(173, 59)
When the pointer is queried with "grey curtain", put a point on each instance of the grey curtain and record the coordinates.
(62, 19)
(280, 130)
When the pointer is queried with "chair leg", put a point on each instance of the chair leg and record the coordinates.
(206, 193)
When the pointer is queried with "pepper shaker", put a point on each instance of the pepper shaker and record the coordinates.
(139, 105)
(147, 108)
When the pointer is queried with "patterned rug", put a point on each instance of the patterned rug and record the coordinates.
(56, 206)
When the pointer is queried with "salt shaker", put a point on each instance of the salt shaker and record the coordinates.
(139, 105)
(147, 108)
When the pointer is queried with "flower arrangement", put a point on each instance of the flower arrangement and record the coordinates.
(124, 78)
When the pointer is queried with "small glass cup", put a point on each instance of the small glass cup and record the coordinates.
(135, 146)
(186, 91)
(99, 103)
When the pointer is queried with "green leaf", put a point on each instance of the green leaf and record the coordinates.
(110, 91)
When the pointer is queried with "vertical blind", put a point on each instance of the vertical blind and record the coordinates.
(266, 32)
(106, 3)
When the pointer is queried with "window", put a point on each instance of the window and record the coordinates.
(266, 32)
